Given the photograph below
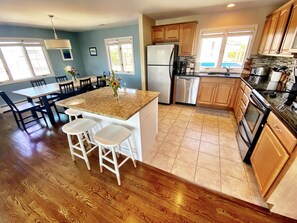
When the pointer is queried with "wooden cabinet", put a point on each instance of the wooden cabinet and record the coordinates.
(216, 92)
(183, 33)
(268, 159)
(271, 32)
(187, 39)
(289, 36)
(158, 34)
(264, 35)
(280, 29)
(171, 33)
(241, 101)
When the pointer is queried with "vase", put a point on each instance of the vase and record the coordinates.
(74, 79)
(115, 93)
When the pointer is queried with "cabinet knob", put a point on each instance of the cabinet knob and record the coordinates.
(277, 128)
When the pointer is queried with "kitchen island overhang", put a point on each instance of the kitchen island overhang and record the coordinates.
(135, 109)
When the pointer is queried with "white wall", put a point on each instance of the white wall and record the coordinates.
(230, 18)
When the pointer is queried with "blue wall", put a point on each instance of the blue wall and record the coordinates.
(98, 64)
(55, 55)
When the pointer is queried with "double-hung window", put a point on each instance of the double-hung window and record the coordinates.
(120, 54)
(225, 47)
(23, 59)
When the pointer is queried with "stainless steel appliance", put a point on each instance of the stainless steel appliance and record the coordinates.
(251, 125)
(260, 71)
(160, 70)
(186, 89)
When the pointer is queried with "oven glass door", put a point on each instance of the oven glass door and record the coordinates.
(252, 119)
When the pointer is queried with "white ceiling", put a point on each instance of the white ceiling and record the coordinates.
(81, 15)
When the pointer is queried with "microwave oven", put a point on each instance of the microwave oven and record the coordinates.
(293, 48)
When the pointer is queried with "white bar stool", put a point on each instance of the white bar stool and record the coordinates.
(82, 128)
(111, 137)
(72, 113)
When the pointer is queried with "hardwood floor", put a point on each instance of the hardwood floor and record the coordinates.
(40, 183)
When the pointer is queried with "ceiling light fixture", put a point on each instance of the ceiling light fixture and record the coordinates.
(54, 44)
(231, 5)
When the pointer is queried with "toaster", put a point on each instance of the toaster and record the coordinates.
(260, 71)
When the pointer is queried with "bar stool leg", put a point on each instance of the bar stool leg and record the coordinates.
(70, 146)
(116, 166)
(131, 152)
(100, 158)
(81, 143)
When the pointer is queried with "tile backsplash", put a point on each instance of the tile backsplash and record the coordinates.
(259, 61)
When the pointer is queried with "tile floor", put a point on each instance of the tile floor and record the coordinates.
(199, 145)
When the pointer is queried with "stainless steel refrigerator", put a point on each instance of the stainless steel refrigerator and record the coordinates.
(160, 70)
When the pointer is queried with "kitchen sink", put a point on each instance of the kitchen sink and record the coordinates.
(218, 73)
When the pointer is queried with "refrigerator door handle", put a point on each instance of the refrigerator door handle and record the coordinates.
(170, 67)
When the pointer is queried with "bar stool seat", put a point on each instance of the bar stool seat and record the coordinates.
(110, 138)
(83, 129)
(72, 113)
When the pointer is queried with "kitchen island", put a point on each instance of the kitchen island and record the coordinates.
(135, 109)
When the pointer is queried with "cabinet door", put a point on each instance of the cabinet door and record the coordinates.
(268, 159)
(264, 35)
(205, 94)
(187, 38)
(290, 31)
(158, 34)
(280, 30)
(171, 33)
(237, 102)
(271, 32)
(223, 95)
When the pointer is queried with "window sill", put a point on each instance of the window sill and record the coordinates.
(25, 80)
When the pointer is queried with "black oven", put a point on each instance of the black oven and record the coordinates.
(251, 125)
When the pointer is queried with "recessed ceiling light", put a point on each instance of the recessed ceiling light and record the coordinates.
(231, 5)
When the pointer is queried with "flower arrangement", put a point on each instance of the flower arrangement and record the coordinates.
(114, 83)
(71, 71)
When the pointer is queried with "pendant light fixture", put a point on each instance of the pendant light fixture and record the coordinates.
(54, 44)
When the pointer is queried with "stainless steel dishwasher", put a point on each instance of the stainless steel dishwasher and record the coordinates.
(186, 89)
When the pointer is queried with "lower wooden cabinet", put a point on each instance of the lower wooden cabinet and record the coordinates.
(268, 159)
(216, 91)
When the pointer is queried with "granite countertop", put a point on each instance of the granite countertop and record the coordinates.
(205, 74)
(276, 101)
(102, 102)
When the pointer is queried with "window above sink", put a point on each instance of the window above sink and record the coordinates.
(222, 48)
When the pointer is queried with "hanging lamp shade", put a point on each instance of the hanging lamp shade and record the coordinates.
(54, 44)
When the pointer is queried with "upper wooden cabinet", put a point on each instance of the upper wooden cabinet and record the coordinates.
(290, 31)
(279, 30)
(184, 33)
(158, 34)
(171, 33)
(187, 39)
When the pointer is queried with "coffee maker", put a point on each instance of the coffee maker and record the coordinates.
(182, 67)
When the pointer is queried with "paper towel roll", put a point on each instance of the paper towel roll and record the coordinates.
(275, 76)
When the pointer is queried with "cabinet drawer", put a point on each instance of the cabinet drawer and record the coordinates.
(218, 80)
(242, 85)
(282, 133)
(245, 99)
(247, 90)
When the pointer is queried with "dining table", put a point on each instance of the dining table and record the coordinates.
(43, 91)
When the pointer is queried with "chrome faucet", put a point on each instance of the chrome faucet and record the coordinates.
(227, 70)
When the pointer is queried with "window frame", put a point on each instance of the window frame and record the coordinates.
(223, 31)
(119, 39)
(20, 42)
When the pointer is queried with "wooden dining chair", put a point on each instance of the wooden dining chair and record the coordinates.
(101, 81)
(61, 78)
(51, 98)
(67, 90)
(18, 112)
(85, 85)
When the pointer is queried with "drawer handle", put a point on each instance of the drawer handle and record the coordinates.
(277, 128)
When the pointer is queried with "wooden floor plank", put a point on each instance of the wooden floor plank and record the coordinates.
(40, 183)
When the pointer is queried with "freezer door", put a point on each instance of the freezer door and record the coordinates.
(159, 80)
(160, 55)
